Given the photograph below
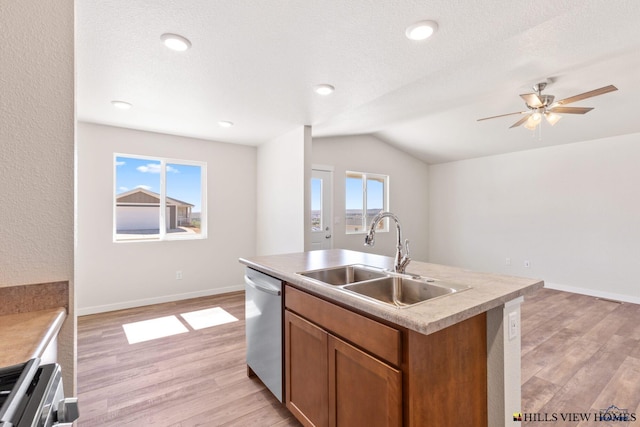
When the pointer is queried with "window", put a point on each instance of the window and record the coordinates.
(158, 199)
(366, 195)
(316, 204)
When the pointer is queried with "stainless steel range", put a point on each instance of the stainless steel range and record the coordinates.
(31, 395)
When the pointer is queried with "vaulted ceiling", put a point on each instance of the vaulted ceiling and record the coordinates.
(255, 63)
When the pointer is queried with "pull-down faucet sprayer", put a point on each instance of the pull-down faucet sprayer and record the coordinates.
(401, 260)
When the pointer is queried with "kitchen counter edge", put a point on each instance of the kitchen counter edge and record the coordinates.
(24, 336)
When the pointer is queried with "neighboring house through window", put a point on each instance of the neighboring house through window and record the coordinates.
(366, 195)
(158, 199)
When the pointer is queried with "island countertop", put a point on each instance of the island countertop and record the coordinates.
(487, 291)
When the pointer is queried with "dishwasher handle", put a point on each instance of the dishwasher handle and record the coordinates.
(263, 287)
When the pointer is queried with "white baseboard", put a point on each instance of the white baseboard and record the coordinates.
(155, 300)
(593, 293)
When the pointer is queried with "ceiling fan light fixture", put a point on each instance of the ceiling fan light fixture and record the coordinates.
(552, 118)
(175, 42)
(533, 121)
(530, 125)
(421, 30)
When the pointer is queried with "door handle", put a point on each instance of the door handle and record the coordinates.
(328, 236)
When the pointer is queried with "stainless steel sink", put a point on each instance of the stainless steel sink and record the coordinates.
(383, 286)
(346, 274)
(401, 291)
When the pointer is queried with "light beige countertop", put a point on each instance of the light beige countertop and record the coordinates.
(26, 335)
(487, 291)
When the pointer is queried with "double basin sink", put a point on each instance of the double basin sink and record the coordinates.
(383, 286)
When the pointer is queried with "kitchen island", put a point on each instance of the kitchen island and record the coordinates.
(438, 339)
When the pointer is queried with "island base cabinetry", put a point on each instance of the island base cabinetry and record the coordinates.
(363, 391)
(344, 369)
(446, 376)
(330, 382)
(306, 371)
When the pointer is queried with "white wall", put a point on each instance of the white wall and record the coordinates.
(37, 154)
(117, 275)
(37, 134)
(283, 170)
(408, 190)
(572, 210)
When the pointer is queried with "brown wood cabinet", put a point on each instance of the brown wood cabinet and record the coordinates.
(363, 390)
(330, 382)
(345, 369)
(306, 371)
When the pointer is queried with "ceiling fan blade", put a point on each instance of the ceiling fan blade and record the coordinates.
(590, 94)
(501, 115)
(519, 122)
(570, 110)
(532, 100)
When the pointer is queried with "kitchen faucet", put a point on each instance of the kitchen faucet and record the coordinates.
(401, 261)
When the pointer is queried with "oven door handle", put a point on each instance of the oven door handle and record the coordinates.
(261, 286)
(22, 384)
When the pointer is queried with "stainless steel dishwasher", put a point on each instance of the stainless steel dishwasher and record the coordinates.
(263, 315)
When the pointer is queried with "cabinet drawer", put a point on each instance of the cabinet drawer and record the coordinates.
(378, 339)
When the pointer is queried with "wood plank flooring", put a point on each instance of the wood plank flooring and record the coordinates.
(579, 354)
(197, 378)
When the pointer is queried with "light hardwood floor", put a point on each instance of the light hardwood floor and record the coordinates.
(197, 378)
(579, 354)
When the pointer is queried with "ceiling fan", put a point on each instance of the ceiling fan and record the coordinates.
(540, 105)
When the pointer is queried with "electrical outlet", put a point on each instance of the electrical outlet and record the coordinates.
(179, 275)
(527, 263)
(507, 261)
(513, 325)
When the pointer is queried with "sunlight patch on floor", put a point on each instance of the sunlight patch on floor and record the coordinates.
(147, 330)
(208, 317)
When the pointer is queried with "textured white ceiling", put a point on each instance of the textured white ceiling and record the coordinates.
(255, 62)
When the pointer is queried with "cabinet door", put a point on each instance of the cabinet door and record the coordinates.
(363, 391)
(306, 371)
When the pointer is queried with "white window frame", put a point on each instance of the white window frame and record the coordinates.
(163, 235)
(365, 176)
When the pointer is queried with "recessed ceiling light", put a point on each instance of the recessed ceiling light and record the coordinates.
(421, 30)
(225, 124)
(324, 89)
(175, 42)
(121, 105)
